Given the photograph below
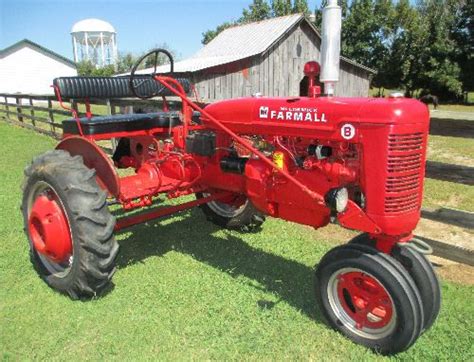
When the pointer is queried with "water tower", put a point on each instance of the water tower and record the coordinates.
(94, 40)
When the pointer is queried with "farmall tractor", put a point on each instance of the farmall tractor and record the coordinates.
(312, 160)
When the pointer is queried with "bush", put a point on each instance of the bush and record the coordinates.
(87, 68)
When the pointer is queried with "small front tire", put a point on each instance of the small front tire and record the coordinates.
(368, 300)
(422, 273)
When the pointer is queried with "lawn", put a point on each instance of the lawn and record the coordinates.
(452, 150)
(187, 290)
(455, 150)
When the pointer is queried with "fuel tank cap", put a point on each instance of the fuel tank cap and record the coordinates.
(396, 95)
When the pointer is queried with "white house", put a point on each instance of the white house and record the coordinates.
(29, 68)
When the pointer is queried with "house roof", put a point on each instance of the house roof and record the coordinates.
(4, 52)
(243, 41)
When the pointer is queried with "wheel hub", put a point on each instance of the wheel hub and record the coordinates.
(229, 207)
(364, 299)
(49, 229)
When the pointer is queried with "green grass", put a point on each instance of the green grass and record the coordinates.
(456, 107)
(439, 193)
(454, 150)
(187, 290)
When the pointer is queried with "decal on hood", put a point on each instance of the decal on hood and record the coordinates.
(304, 114)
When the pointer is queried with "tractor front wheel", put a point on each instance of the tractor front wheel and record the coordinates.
(420, 270)
(237, 214)
(367, 299)
(69, 227)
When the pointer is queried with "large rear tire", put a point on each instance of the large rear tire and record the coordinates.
(366, 298)
(68, 224)
(421, 271)
(238, 215)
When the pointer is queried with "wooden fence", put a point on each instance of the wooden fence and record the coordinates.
(44, 114)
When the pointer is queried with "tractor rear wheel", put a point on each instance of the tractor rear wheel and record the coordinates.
(69, 227)
(363, 295)
(421, 271)
(240, 214)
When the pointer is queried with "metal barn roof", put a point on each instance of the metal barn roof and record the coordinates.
(240, 42)
(247, 40)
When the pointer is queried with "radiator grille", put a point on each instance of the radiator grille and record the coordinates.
(404, 166)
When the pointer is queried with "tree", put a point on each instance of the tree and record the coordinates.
(281, 7)
(440, 73)
(162, 58)
(407, 43)
(300, 6)
(384, 13)
(87, 68)
(360, 32)
(318, 12)
(211, 34)
(258, 10)
(125, 62)
(463, 35)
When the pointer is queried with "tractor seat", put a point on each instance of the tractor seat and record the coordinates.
(112, 87)
(125, 123)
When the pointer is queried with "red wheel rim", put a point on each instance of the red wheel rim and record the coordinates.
(364, 299)
(49, 228)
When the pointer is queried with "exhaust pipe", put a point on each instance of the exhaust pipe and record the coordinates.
(330, 46)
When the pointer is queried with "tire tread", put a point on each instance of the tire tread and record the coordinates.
(91, 223)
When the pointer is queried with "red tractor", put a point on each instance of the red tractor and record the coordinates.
(313, 160)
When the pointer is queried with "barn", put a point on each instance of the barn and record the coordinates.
(29, 68)
(265, 57)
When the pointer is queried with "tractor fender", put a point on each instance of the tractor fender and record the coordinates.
(94, 158)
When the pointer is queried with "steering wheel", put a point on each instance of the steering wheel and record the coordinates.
(146, 81)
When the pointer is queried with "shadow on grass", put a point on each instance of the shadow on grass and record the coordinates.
(192, 235)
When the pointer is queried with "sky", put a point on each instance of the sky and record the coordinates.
(140, 25)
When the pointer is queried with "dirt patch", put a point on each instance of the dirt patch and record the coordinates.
(450, 234)
(437, 154)
(453, 272)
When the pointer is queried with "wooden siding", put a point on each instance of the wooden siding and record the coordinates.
(277, 72)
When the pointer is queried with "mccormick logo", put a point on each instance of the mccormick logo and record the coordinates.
(264, 112)
(292, 114)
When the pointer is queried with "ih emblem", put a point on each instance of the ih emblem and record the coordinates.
(263, 112)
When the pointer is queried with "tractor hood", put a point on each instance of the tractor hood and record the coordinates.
(301, 116)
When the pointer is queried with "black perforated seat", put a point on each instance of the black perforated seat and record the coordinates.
(118, 87)
(125, 123)
(112, 87)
